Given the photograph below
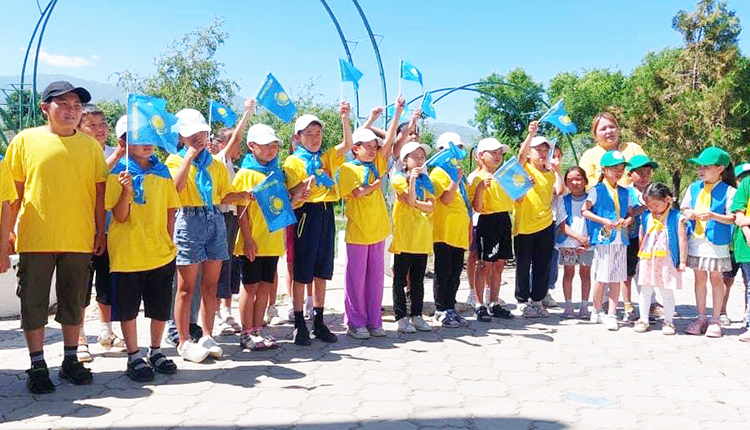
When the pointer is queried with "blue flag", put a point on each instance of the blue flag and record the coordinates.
(557, 116)
(513, 179)
(410, 73)
(273, 200)
(272, 97)
(428, 107)
(149, 123)
(391, 110)
(222, 113)
(349, 73)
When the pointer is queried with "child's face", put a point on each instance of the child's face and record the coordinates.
(658, 206)
(141, 152)
(641, 177)
(575, 182)
(614, 173)
(95, 126)
(311, 137)
(366, 151)
(198, 140)
(556, 158)
(538, 155)
(491, 159)
(710, 174)
(416, 159)
(264, 153)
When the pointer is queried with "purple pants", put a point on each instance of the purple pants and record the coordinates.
(363, 288)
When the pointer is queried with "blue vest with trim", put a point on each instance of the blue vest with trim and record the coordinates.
(673, 223)
(716, 232)
(605, 208)
(560, 237)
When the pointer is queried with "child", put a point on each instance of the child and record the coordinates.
(554, 268)
(200, 233)
(366, 229)
(450, 234)
(259, 249)
(534, 226)
(143, 200)
(741, 209)
(608, 206)
(707, 205)
(494, 240)
(412, 235)
(573, 242)
(663, 254)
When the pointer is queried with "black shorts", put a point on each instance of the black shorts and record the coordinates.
(153, 286)
(735, 267)
(494, 237)
(632, 256)
(314, 241)
(99, 279)
(262, 269)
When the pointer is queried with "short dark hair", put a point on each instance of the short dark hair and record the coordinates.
(657, 190)
(91, 109)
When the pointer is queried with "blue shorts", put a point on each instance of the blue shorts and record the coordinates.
(200, 235)
(314, 241)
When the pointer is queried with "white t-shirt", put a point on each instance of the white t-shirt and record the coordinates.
(591, 197)
(577, 223)
(108, 150)
(227, 160)
(701, 247)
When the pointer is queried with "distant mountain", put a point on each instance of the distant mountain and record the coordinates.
(468, 134)
(99, 91)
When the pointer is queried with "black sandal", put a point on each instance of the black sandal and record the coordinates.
(162, 364)
(139, 371)
(74, 371)
(38, 381)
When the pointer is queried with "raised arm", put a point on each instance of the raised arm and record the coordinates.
(347, 143)
(523, 152)
(236, 137)
(389, 137)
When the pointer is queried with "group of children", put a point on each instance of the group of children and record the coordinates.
(164, 219)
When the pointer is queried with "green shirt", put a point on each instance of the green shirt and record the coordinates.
(741, 249)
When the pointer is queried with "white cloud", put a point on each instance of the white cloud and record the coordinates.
(64, 60)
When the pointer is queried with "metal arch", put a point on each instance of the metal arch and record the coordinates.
(377, 55)
(44, 16)
(346, 47)
(38, 48)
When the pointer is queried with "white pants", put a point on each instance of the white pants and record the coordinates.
(644, 302)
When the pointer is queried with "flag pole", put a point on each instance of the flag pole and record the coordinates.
(400, 67)
(210, 111)
(127, 136)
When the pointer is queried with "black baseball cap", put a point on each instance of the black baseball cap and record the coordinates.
(59, 88)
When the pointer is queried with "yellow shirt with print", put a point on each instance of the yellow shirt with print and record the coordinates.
(296, 172)
(534, 211)
(142, 242)
(412, 227)
(367, 216)
(59, 175)
(450, 222)
(190, 196)
(269, 244)
(7, 186)
(494, 199)
(591, 162)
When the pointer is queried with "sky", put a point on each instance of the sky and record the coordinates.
(451, 42)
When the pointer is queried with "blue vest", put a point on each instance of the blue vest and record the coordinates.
(560, 237)
(673, 237)
(605, 208)
(716, 232)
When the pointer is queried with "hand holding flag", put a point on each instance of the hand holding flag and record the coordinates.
(272, 97)
(513, 179)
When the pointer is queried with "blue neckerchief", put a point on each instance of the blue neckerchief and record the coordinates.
(139, 175)
(250, 162)
(1, 157)
(453, 173)
(423, 184)
(369, 170)
(314, 166)
(203, 178)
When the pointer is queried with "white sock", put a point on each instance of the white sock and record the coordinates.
(225, 312)
(668, 297)
(644, 301)
(105, 329)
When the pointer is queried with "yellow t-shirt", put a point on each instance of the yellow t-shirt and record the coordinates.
(142, 242)
(412, 227)
(494, 199)
(7, 186)
(591, 162)
(296, 172)
(534, 211)
(269, 244)
(366, 217)
(190, 196)
(450, 222)
(59, 176)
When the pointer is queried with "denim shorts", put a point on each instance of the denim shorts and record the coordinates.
(200, 234)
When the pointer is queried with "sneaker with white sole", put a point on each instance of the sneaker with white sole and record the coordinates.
(529, 310)
(272, 316)
(111, 342)
(359, 333)
(444, 318)
(668, 329)
(405, 326)
(420, 324)
(224, 329)
(541, 310)
(378, 332)
(472, 299)
(309, 311)
(568, 312)
(191, 351)
(233, 323)
(610, 322)
(597, 316)
(724, 320)
(549, 302)
(269, 340)
(214, 350)
(462, 322)
(640, 326)
(259, 341)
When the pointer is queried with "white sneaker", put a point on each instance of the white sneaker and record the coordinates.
(358, 333)
(290, 315)
(379, 332)
(596, 316)
(610, 322)
(472, 299)
(272, 316)
(232, 323)
(549, 302)
(191, 351)
(225, 329)
(308, 308)
(405, 326)
(420, 324)
(214, 350)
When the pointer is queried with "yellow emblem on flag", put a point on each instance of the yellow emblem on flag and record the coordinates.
(565, 120)
(157, 122)
(518, 180)
(281, 98)
(277, 205)
(222, 111)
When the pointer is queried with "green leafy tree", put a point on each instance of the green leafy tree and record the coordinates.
(18, 102)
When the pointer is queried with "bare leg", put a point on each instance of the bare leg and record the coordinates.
(614, 296)
(495, 279)
(599, 295)
(130, 334)
(157, 331)
(261, 300)
(247, 300)
(319, 296)
(471, 269)
(717, 293)
(727, 287)
(701, 278)
(567, 282)
(210, 272)
(186, 276)
(585, 273)
(480, 278)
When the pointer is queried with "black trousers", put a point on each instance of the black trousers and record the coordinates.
(533, 251)
(413, 265)
(449, 261)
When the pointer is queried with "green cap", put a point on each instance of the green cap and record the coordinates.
(640, 160)
(613, 158)
(741, 169)
(712, 156)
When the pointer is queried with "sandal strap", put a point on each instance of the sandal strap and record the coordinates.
(138, 364)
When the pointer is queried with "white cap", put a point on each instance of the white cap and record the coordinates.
(365, 135)
(122, 126)
(261, 134)
(491, 144)
(305, 120)
(538, 140)
(191, 122)
(412, 146)
(445, 138)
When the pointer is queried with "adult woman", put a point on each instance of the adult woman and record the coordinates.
(606, 132)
